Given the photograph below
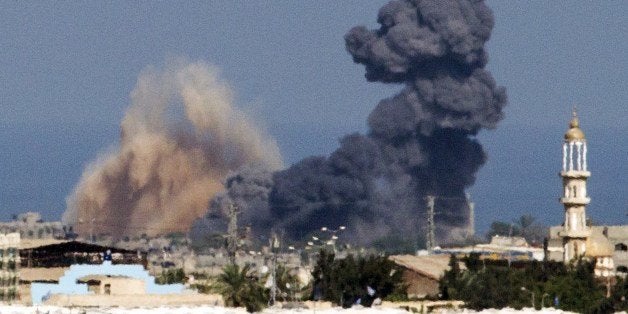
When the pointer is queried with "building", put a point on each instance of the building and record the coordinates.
(575, 238)
(505, 248)
(422, 273)
(72, 273)
(45, 261)
(102, 279)
(30, 226)
(575, 198)
(9, 266)
(67, 253)
(617, 237)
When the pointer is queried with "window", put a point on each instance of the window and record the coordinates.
(621, 247)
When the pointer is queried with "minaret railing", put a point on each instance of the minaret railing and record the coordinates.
(584, 156)
(570, 156)
(564, 156)
(579, 156)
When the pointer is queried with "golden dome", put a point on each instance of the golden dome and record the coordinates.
(574, 133)
(598, 246)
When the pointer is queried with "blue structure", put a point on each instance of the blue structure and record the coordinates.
(68, 283)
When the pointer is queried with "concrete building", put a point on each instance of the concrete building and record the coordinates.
(9, 266)
(106, 278)
(616, 237)
(30, 226)
(575, 198)
(500, 248)
(422, 273)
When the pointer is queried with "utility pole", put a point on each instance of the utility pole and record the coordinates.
(471, 206)
(232, 233)
(430, 223)
(510, 240)
(274, 246)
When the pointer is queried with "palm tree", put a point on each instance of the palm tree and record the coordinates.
(239, 289)
(287, 283)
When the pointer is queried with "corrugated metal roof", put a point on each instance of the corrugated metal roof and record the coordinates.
(33, 243)
(431, 266)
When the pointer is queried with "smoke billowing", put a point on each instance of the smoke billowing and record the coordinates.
(180, 137)
(420, 141)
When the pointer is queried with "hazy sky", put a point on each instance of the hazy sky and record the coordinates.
(67, 68)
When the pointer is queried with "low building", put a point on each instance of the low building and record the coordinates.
(103, 279)
(31, 226)
(617, 236)
(113, 285)
(46, 260)
(422, 273)
(66, 253)
(514, 249)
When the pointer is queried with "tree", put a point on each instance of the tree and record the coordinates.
(239, 289)
(525, 226)
(171, 276)
(287, 283)
(345, 281)
(382, 275)
(577, 290)
(400, 244)
(449, 282)
(494, 285)
(619, 296)
(502, 229)
(321, 289)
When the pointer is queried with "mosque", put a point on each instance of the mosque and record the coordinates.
(575, 238)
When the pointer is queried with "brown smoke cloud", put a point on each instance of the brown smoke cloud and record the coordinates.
(180, 137)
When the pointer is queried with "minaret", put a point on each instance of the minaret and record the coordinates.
(575, 198)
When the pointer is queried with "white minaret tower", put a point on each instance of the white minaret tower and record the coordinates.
(575, 198)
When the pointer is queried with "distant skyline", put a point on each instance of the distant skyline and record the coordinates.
(66, 71)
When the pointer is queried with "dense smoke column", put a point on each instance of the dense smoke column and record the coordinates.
(180, 137)
(420, 141)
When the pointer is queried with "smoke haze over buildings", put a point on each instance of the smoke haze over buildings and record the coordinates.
(420, 141)
(179, 138)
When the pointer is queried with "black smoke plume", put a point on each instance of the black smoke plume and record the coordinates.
(420, 141)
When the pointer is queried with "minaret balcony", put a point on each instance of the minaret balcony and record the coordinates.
(575, 174)
(575, 200)
(575, 233)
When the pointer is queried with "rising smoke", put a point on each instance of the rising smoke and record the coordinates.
(420, 141)
(180, 137)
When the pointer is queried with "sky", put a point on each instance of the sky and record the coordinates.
(67, 69)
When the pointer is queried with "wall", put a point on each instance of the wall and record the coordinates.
(122, 286)
(68, 282)
(147, 300)
(419, 285)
